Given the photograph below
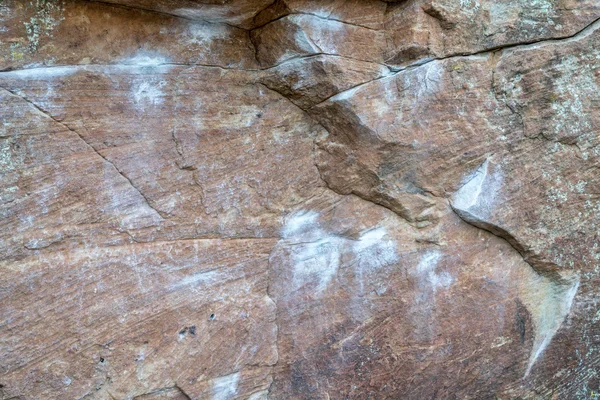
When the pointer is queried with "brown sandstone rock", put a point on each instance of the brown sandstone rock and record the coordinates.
(300, 35)
(299, 199)
(311, 80)
(439, 28)
(234, 12)
(38, 35)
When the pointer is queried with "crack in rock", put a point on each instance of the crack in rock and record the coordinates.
(160, 214)
(548, 295)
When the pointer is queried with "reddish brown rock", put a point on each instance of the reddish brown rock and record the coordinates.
(234, 12)
(308, 81)
(123, 321)
(359, 299)
(306, 34)
(299, 199)
(438, 28)
(80, 32)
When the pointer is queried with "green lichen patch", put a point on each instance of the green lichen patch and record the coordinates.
(47, 15)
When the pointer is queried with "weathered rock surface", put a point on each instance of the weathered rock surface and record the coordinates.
(293, 199)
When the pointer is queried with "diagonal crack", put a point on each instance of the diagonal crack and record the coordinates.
(540, 266)
(550, 310)
(47, 114)
(327, 185)
(506, 236)
(328, 18)
(487, 52)
(592, 26)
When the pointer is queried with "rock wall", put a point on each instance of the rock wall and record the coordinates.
(299, 199)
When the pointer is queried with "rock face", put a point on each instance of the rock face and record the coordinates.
(299, 199)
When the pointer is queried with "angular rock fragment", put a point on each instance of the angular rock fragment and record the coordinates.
(312, 80)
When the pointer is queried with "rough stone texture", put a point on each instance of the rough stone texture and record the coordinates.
(441, 28)
(294, 199)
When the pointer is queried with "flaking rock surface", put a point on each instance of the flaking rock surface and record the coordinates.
(299, 199)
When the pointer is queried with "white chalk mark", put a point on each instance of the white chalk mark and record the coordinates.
(225, 387)
(317, 254)
(202, 278)
(427, 271)
(549, 303)
(477, 198)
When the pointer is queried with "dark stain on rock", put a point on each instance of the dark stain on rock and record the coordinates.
(521, 317)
